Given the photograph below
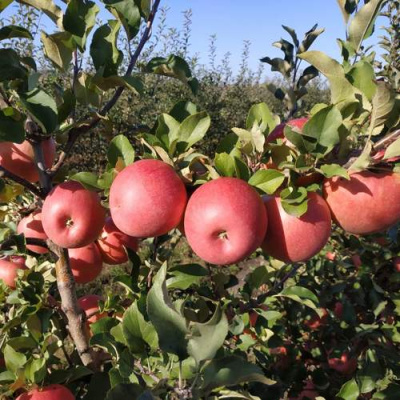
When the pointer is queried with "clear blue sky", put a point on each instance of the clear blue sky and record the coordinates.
(258, 21)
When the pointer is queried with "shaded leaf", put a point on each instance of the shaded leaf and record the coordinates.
(207, 338)
(48, 7)
(260, 117)
(225, 164)
(170, 325)
(120, 149)
(232, 370)
(58, 49)
(11, 127)
(42, 108)
(10, 66)
(349, 391)
(14, 31)
(331, 170)
(186, 275)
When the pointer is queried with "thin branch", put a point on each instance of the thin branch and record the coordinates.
(74, 133)
(4, 173)
(387, 140)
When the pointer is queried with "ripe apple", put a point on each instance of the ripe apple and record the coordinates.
(52, 392)
(331, 256)
(86, 263)
(147, 199)
(16, 259)
(292, 239)
(356, 260)
(338, 310)
(278, 132)
(90, 305)
(344, 365)
(31, 226)
(396, 264)
(367, 203)
(9, 271)
(225, 221)
(72, 216)
(111, 244)
(316, 321)
(19, 158)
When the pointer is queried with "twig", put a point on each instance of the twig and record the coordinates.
(387, 140)
(4, 173)
(74, 133)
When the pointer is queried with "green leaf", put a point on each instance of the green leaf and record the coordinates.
(260, 117)
(344, 10)
(364, 159)
(167, 132)
(67, 105)
(341, 88)
(250, 141)
(349, 391)
(293, 34)
(232, 370)
(324, 127)
(42, 108)
(4, 4)
(279, 65)
(310, 37)
(137, 331)
(301, 292)
(86, 91)
(170, 325)
(79, 19)
(11, 128)
(207, 338)
(129, 391)
(58, 49)
(14, 31)
(87, 179)
(331, 170)
(294, 201)
(47, 7)
(362, 76)
(308, 74)
(287, 48)
(183, 109)
(363, 21)
(103, 325)
(133, 83)
(128, 12)
(36, 370)
(175, 67)
(393, 150)
(186, 275)
(10, 66)
(382, 105)
(225, 164)
(13, 359)
(192, 130)
(120, 149)
(267, 180)
(103, 49)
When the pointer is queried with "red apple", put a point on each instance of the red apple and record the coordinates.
(111, 244)
(396, 264)
(31, 226)
(338, 310)
(86, 263)
(367, 203)
(72, 216)
(343, 365)
(2, 362)
(278, 351)
(9, 271)
(16, 259)
(331, 256)
(292, 239)
(278, 132)
(147, 199)
(356, 260)
(52, 392)
(19, 158)
(225, 221)
(90, 305)
(253, 317)
(315, 322)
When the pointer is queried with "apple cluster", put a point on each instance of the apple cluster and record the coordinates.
(224, 220)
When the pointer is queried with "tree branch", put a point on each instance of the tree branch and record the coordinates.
(70, 306)
(74, 133)
(4, 173)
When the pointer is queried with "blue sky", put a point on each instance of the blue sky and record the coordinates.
(258, 21)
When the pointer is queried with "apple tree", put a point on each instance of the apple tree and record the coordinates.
(267, 271)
